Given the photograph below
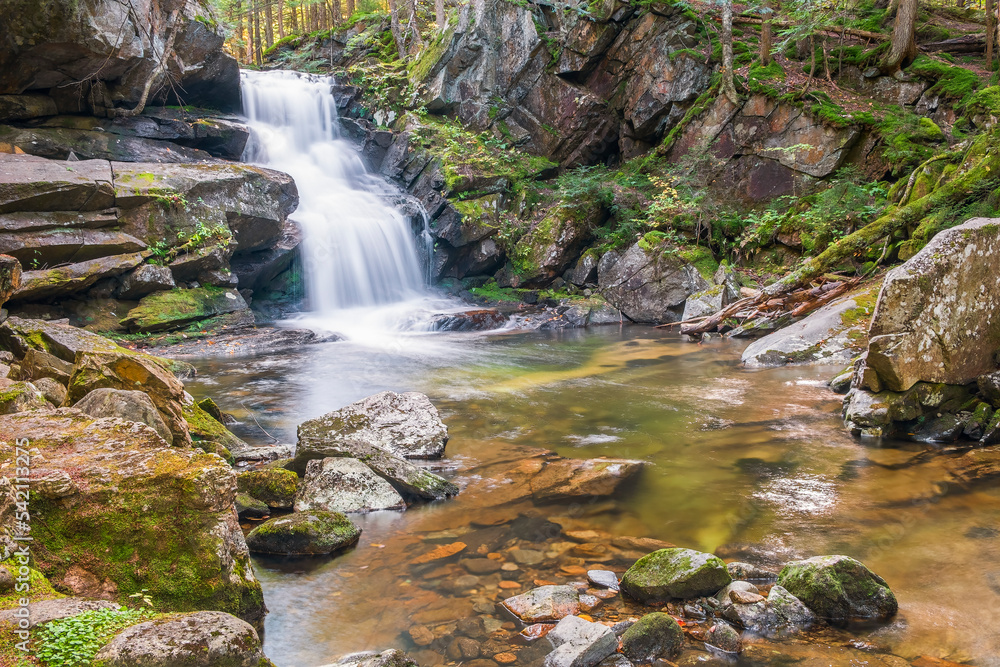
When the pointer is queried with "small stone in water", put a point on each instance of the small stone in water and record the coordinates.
(443, 551)
(745, 597)
(527, 556)
(536, 631)
(602, 593)
(484, 607)
(480, 565)
(573, 570)
(472, 626)
(492, 624)
(604, 578)
(588, 602)
(543, 582)
(505, 658)
(421, 635)
(694, 612)
(509, 567)
(509, 584)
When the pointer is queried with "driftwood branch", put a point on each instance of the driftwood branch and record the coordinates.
(835, 30)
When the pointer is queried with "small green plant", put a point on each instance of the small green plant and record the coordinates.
(74, 641)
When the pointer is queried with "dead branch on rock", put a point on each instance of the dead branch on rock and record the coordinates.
(160, 68)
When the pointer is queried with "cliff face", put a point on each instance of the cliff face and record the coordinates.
(92, 55)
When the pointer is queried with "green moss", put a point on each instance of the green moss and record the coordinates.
(653, 636)
(276, 487)
(493, 292)
(39, 587)
(209, 434)
(73, 641)
(953, 82)
(702, 259)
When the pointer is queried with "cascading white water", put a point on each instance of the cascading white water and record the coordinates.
(359, 252)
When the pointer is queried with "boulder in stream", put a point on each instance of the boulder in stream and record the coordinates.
(839, 589)
(674, 573)
(653, 636)
(276, 487)
(781, 613)
(580, 643)
(310, 533)
(545, 603)
(405, 425)
(345, 485)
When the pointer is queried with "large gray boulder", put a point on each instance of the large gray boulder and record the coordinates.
(405, 425)
(197, 639)
(647, 284)
(134, 406)
(345, 485)
(938, 315)
(839, 589)
(781, 613)
(834, 334)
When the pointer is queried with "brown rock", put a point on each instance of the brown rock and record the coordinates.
(463, 648)
(443, 551)
(505, 658)
(421, 635)
(745, 597)
(509, 585)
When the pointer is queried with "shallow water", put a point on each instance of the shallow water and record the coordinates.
(745, 463)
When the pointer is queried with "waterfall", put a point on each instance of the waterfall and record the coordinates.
(359, 253)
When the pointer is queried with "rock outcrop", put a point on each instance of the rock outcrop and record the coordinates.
(648, 283)
(95, 56)
(98, 224)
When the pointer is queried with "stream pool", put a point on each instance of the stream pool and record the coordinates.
(753, 465)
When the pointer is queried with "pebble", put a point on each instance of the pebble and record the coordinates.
(543, 582)
(589, 602)
(745, 597)
(464, 583)
(527, 556)
(604, 578)
(421, 635)
(602, 593)
(484, 607)
(480, 565)
(505, 658)
(507, 585)
(509, 567)
(472, 626)
(573, 570)
(492, 624)
(589, 550)
(443, 551)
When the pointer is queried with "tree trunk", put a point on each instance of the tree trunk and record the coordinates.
(397, 30)
(765, 37)
(258, 52)
(417, 44)
(990, 28)
(238, 9)
(350, 8)
(281, 19)
(812, 67)
(439, 13)
(728, 86)
(269, 23)
(903, 49)
(293, 13)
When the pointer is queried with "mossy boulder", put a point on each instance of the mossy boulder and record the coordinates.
(309, 533)
(133, 406)
(248, 507)
(674, 573)
(276, 487)
(116, 512)
(21, 397)
(128, 370)
(200, 639)
(653, 636)
(209, 433)
(549, 248)
(173, 309)
(839, 589)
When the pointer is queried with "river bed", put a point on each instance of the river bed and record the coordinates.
(753, 465)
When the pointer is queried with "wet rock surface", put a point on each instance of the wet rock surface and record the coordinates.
(308, 533)
(345, 485)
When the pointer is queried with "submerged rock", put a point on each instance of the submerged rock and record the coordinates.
(545, 603)
(839, 589)
(580, 643)
(199, 639)
(405, 425)
(575, 479)
(653, 636)
(309, 533)
(133, 406)
(674, 573)
(117, 511)
(346, 485)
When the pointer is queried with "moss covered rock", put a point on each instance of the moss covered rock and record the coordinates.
(250, 508)
(653, 636)
(174, 309)
(304, 534)
(200, 639)
(115, 511)
(21, 397)
(124, 369)
(839, 589)
(674, 573)
(275, 487)
(209, 433)
(133, 406)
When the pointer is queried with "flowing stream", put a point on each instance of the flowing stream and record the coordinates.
(749, 464)
(362, 269)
